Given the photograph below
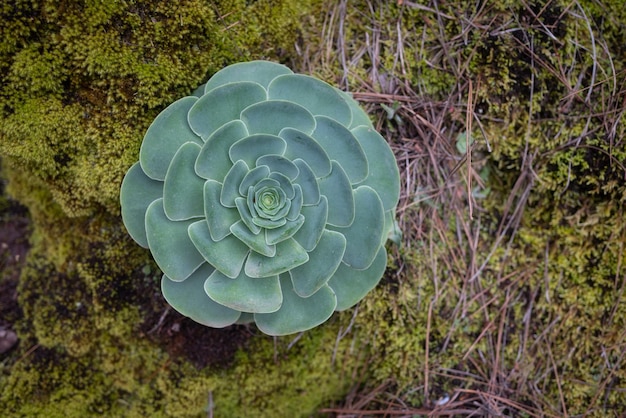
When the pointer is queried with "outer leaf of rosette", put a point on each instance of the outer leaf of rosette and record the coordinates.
(214, 162)
(222, 105)
(183, 189)
(384, 176)
(165, 135)
(189, 298)
(323, 262)
(138, 191)
(262, 72)
(245, 293)
(342, 146)
(365, 234)
(271, 116)
(351, 285)
(318, 97)
(359, 117)
(289, 254)
(226, 255)
(297, 314)
(337, 189)
(170, 244)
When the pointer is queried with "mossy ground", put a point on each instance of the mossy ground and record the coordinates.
(507, 295)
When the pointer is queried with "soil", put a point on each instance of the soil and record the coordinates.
(14, 232)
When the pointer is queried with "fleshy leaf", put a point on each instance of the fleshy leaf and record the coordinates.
(271, 117)
(244, 211)
(296, 203)
(359, 117)
(226, 255)
(250, 148)
(289, 254)
(276, 235)
(189, 298)
(351, 285)
(245, 293)
(383, 176)
(301, 145)
(341, 146)
(137, 193)
(307, 181)
(165, 135)
(230, 187)
(279, 164)
(314, 222)
(214, 161)
(253, 177)
(170, 244)
(297, 314)
(323, 262)
(336, 187)
(182, 190)
(315, 95)
(219, 218)
(262, 72)
(256, 242)
(222, 105)
(285, 184)
(365, 234)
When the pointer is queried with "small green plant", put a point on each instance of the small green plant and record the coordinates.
(267, 196)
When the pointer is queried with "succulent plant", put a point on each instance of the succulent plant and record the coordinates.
(266, 196)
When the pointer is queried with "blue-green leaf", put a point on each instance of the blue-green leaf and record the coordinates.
(323, 262)
(226, 255)
(289, 254)
(342, 146)
(245, 293)
(137, 193)
(182, 191)
(303, 146)
(383, 175)
(219, 217)
(262, 72)
(366, 232)
(276, 235)
(314, 222)
(165, 135)
(279, 164)
(336, 187)
(214, 161)
(351, 285)
(230, 187)
(189, 298)
(170, 244)
(308, 183)
(272, 116)
(249, 149)
(297, 314)
(256, 242)
(315, 95)
(222, 105)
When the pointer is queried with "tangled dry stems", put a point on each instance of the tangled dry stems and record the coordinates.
(437, 186)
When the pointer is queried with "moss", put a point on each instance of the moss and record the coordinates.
(546, 309)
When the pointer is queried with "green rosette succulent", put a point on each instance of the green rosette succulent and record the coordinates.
(266, 196)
